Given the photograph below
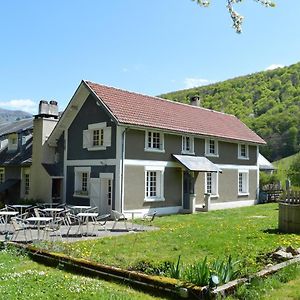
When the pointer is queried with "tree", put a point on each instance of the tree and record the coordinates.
(294, 171)
(235, 16)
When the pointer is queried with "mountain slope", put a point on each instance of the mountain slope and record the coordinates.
(12, 115)
(268, 102)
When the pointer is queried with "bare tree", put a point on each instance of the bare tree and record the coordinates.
(235, 16)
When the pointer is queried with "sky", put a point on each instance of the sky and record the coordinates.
(150, 47)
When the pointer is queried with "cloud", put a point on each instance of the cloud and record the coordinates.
(194, 82)
(273, 67)
(20, 104)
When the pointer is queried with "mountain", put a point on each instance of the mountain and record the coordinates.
(12, 115)
(268, 102)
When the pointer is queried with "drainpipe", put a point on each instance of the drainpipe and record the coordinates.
(122, 169)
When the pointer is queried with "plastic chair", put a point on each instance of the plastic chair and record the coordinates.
(148, 219)
(18, 226)
(101, 220)
(117, 216)
(53, 227)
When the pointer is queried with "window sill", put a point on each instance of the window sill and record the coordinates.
(80, 196)
(154, 150)
(243, 158)
(211, 155)
(154, 199)
(243, 194)
(186, 152)
(96, 148)
(214, 196)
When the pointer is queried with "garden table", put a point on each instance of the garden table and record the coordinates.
(21, 207)
(52, 210)
(81, 208)
(39, 220)
(85, 216)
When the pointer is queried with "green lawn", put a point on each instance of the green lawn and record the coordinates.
(244, 233)
(23, 279)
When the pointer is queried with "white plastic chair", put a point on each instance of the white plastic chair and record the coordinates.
(148, 219)
(18, 226)
(117, 216)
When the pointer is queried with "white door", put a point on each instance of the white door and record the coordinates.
(95, 192)
(106, 195)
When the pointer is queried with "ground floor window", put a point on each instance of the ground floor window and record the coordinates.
(154, 180)
(243, 182)
(211, 183)
(26, 184)
(82, 181)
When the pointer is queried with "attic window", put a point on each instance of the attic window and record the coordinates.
(211, 147)
(243, 151)
(154, 141)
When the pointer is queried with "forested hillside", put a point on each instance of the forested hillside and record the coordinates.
(268, 102)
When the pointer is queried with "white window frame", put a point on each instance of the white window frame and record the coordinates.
(2, 175)
(207, 148)
(244, 174)
(26, 184)
(214, 184)
(159, 184)
(161, 141)
(240, 156)
(88, 137)
(78, 182)
(184, 149)
(11, 145)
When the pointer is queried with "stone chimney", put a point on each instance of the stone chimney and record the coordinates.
(195, 100)
(47, 110)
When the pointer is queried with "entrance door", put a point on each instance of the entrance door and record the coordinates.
(188, 188)
(56, 190)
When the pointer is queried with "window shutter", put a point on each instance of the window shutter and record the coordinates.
(86, 143)
(107, 137)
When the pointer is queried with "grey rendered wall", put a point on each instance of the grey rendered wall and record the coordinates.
(228, 152)
(134, 192)
(60, 151)
(95, 170)
(12, 173)
(90, 113)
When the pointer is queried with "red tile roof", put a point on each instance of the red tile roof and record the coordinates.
(141, 110)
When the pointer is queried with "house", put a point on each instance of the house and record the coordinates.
(15, 159)
(126, 151)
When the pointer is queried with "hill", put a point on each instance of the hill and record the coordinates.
(268, 102)
(12, 115)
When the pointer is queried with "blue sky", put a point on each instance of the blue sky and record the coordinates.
(151, 47)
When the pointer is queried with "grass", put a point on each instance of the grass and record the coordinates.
(246, 234)
(282, 285)
(22, 279)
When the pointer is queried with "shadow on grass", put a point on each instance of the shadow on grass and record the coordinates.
(272, 231)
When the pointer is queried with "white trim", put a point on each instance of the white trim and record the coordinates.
(246, 193)
(207, 153)
(238, 167)
(91, 162)
(97, 126)
(160, 211)
(159, 184)
(106, 176)
(137, 162)
(183, 143)
(65, 166)
(82, 169)
(232, 204)
(214, 175)
(239, 151)
(161, 148)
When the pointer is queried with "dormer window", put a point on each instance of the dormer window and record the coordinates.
(211, 147)
(243, 151)
(154, 141)
(13, 142)
(187, 145)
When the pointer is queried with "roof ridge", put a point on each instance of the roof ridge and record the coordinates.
(158, 98)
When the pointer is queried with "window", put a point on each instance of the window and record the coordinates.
(13, 142)
(187, 144)
(243, 151)
(154, 179)
(243, 182)
(97, 137)
(154, 141)
(109, 192)
(2, 175)
(82, 181)
(26, 184)
(211, 147)
(211, 183)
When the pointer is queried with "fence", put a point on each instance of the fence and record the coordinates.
(291, 197)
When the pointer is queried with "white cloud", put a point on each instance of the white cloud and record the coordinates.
(194, 82)
(273, 67)
(20, 104)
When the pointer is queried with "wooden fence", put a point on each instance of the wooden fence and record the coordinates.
(291, 197)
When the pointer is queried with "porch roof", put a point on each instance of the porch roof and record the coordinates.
(197, 163)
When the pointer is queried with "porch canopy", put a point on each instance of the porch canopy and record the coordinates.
(197, 163)
(8, 184)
